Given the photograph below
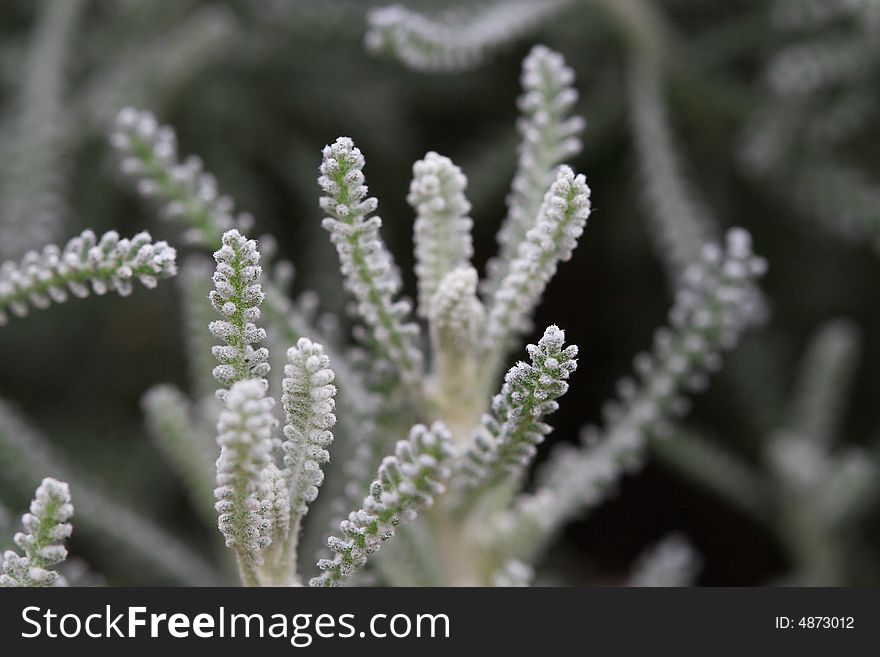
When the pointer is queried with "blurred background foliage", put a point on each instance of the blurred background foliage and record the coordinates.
(258, 87)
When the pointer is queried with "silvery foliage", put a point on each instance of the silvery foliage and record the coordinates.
(245, 438)
(86, 264)
(715, 304)
(237, 296)
(265, 483)
(510, 434)
(442, 228)
(455, 40)
(808, 492)
(32, 190)
(46, 527)
(802, 138)
(148, 154)
(550, 136)
(449, 494)
(48, 118)
(817, 102)
(552, 239)
(408, 481)
(369, 270)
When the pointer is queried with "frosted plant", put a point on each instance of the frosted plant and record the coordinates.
(46, 527)
(551, 240)
(816, 108)
(456, 483)
(442, 229)
(265, 484)
(189, 197)
(407, 482)
(425, 466)
(511, 433)
(369, 271)
(803, 490)
(237, 296)
(456, 40)
(85, 264)
(243, 478)
(549, 136)
(148, 153)
(713, 307)
(308, 400)
(124, 535)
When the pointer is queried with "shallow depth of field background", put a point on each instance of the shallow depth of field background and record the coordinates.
(287, 78)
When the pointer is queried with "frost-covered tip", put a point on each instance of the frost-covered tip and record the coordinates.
(718, 299)
(237, 296)
(551, 240)
(442, 230)
(549, 137)
(716, 303)
(407, 482)
(245, 432)
(85, 264)
(186, 193)
(366, 263)
(454, 41)
(308, 400)
(46, 527)
(508, 439)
